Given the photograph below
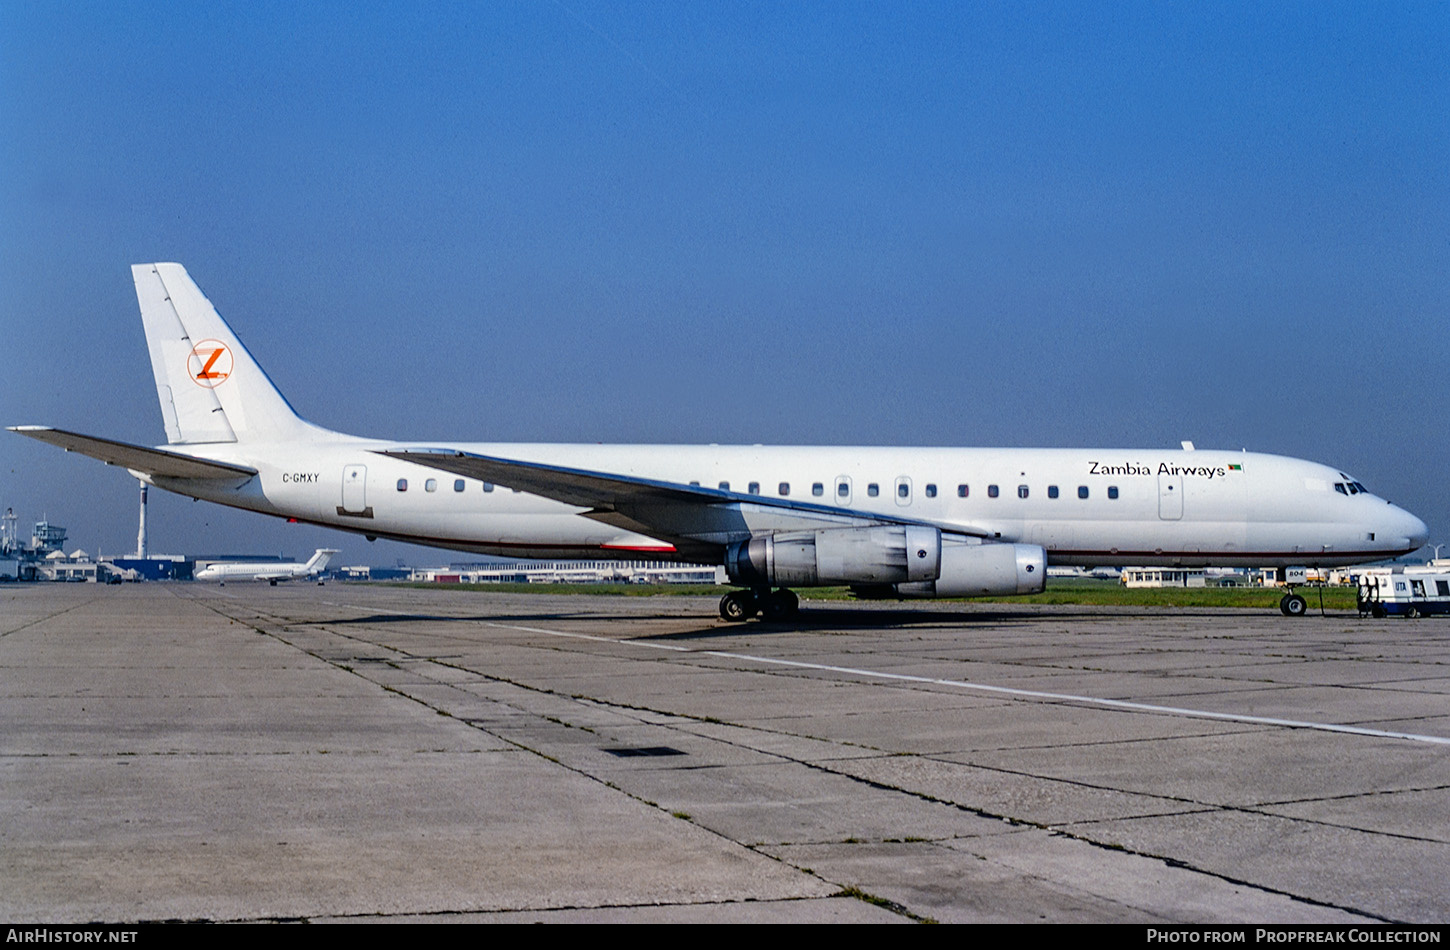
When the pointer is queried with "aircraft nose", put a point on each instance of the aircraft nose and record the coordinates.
(1419, 531)
(1412, 529)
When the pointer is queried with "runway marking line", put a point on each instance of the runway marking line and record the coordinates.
(981, 687)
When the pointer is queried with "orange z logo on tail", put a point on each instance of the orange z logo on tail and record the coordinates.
(210, 363)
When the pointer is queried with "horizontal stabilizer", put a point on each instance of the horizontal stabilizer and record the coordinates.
(137, 458)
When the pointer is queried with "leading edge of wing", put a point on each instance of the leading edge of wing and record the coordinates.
(136, 458)
(606, 491)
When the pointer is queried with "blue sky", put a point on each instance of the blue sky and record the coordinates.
(965, 224)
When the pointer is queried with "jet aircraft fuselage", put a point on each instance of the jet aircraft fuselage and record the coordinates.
(908, 522)
(1086, 507)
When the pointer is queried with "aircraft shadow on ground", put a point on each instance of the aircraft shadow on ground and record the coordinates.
(812, 619)
(390, 618)
(827, 620)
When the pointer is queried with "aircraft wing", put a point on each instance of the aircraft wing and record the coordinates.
(136, 458)
(697, 520)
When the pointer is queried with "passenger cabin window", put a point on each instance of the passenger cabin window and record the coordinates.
(1112, 491)
(431, 485)
(1021, 491)
(785, 488)
(458, 484)
(695, 484)
(991, 491)
(930, 490)
(961, 491)
(843, 489)
(1051, 491)
(873, 489)
(903, 490)
(724, 486)
(402, 484)
(753, 488)
(818, 489)
(1082, 491)
(488, 486)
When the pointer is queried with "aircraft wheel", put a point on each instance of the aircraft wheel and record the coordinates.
(780, 605)
(737, 606)
(1293, 605)
(273, 583)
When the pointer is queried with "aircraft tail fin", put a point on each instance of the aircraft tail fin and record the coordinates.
(210, 388)
(318, 562)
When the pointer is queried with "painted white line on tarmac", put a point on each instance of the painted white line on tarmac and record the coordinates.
(975, 687)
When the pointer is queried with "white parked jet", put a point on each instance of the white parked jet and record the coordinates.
(270, 571)
(894, 522)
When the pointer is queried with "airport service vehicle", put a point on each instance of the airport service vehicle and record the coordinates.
(1405, 591)
(887, 522)
(270, 571)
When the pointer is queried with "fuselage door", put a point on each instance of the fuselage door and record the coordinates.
(1170, 497)
(354, 491)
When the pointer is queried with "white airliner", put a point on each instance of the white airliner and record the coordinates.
(888, 522)
(270, 571)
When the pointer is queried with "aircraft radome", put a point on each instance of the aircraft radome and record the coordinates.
(888, 522)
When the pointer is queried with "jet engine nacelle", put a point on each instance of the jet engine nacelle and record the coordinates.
(969, 570)
(885, 554)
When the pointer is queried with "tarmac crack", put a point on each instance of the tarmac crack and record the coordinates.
(1193, 804)
(48, 617)
(523, 746)
(1057, 830)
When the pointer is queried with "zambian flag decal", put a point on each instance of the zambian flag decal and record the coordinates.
(1235, 468)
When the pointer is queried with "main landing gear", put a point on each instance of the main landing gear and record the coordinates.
(739, 606)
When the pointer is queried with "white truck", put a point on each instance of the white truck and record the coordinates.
(1411, 591)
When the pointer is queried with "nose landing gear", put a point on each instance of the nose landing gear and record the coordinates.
(1292, 605)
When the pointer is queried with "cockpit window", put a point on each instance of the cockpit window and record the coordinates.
(1339, 487)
